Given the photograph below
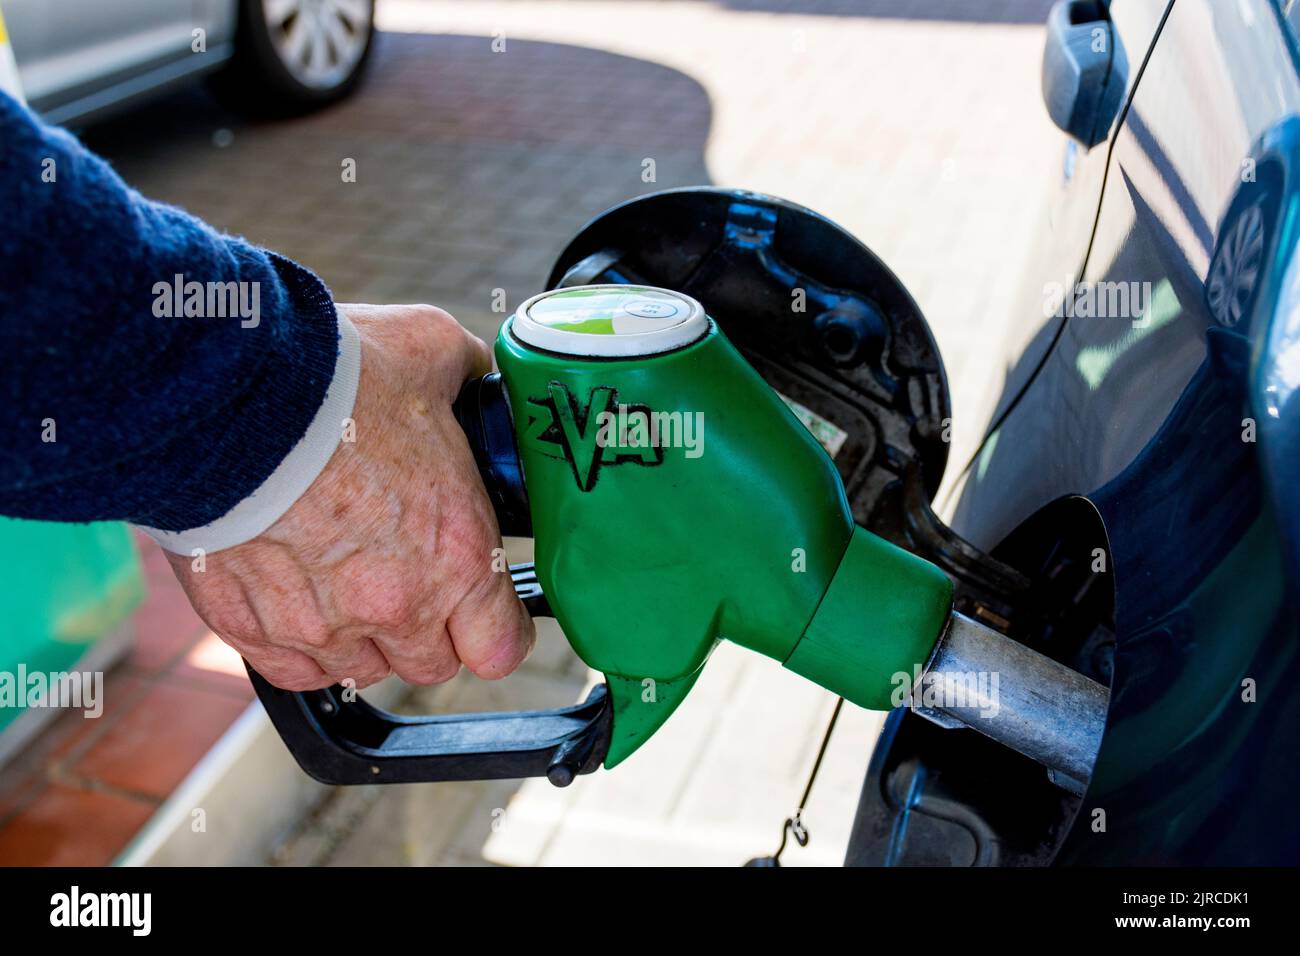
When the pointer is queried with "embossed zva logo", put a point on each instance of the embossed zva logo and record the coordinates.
(604, 432)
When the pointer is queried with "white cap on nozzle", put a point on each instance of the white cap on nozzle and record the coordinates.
(609, 321)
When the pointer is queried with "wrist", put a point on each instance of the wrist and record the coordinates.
(295, 473)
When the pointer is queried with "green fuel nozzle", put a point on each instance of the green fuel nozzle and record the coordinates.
(675, 501)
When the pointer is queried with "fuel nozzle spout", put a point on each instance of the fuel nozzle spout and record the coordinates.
(885, 636)
(981, 679)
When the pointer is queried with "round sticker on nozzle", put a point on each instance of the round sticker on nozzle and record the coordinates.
(609, 321)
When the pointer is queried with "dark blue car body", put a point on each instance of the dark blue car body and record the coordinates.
(1165, 449)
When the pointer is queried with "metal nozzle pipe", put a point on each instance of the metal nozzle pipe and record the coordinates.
(984, 680)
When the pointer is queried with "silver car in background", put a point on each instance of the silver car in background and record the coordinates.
(78, 59)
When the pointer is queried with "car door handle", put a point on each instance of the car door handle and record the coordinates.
(1085, 72)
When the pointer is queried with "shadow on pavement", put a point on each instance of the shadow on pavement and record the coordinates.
(472, 169)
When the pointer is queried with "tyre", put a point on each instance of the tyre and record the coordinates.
(292, 56)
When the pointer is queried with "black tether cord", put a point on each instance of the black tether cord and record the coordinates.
(794, 824)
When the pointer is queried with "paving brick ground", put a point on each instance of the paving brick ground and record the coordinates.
(919, 126)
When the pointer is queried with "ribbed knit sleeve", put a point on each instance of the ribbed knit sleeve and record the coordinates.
(125, 396)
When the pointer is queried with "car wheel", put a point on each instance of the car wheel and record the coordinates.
(296, 55)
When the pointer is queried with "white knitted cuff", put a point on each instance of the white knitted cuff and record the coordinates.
(294, 475)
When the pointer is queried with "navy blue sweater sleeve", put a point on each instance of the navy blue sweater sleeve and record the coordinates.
(115, 406)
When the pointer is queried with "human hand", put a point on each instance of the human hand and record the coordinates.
(385, 564)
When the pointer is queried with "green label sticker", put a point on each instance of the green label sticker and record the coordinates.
(605, 311)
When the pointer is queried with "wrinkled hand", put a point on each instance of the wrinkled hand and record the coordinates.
(386, 563)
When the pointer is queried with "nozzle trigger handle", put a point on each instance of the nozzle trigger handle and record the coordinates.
(338, 738)
(483, 410)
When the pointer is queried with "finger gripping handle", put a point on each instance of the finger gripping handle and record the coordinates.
(339, 739)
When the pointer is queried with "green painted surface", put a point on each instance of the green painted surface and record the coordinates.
(880, 618)
(64, 587)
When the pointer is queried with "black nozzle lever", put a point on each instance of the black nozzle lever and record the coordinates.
(339, 739)
(483, 411)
